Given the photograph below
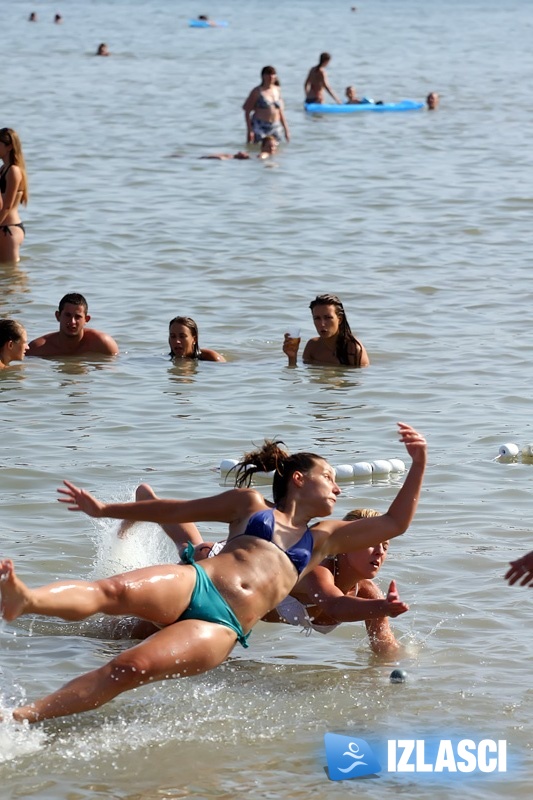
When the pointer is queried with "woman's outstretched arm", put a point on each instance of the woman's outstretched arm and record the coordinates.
(230, 506)
(349, 536)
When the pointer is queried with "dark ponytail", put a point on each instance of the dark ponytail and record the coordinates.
(272, 457)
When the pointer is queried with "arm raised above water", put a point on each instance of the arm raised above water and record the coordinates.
(230, 506)
(345, 537)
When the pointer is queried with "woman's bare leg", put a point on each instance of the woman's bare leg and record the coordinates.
(179, 532)
(189, 647)
(159, 594)
(10, 246)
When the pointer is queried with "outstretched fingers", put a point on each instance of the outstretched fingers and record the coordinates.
(80, 500)
(414, 442)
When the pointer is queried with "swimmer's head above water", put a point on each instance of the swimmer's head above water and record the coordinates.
(183, 338)
(432, 101)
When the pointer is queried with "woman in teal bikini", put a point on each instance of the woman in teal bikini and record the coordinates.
(203, 611)
(13, 191)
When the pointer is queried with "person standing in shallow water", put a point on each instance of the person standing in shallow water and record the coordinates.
(263, 110)
(203, 610)
(13, 191)
(335, 343)
(317, 82)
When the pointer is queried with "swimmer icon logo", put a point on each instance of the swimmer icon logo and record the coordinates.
(348, 757)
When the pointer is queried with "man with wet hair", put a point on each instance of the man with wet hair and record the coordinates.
(73, 337)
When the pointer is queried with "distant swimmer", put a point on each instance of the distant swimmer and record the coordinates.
(269, 145)
(13, 342)
(263, 110)
(183, 341)
(521, 571)
(73, 337)
(351, 98)
(205, 18)
(32, 17)
(432, 101)
(317, 82)
(351, 95)
(13, 192)
(103, 50)
(335, 343)
(58, 19)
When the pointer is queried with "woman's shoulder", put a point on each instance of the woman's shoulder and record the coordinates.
(210, 355)
(310, 348)
(12, 173)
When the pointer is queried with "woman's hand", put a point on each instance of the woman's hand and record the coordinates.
(80, 500)
(414, 442)
(394, 606)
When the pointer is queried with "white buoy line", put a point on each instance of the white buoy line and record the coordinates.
(512, 452)
(343, 472)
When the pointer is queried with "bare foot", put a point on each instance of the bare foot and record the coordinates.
(15, 594)
(143, 492)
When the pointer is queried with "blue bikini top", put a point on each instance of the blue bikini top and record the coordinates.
(261, 524)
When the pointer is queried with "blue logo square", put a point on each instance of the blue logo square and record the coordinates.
(349, 757)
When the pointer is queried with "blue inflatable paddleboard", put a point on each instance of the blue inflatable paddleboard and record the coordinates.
(202, 23)
(351, 108)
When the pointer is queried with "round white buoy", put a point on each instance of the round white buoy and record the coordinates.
(343, 472)
(527, 451)
(263, 477)
(362, 468)
(381, 467)
(397, 464)
(508, 450)
(226, 464)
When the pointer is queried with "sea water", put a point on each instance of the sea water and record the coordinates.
(421, 222)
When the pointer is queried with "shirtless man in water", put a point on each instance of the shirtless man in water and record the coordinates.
(317, 82)
(73, 338)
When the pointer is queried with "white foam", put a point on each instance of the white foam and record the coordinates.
(18, 738)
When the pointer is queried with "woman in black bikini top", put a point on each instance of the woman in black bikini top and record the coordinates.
(13, 191)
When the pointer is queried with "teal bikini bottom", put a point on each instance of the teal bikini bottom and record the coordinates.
(207, 603)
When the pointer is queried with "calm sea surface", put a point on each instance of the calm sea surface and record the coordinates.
(421, 222)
